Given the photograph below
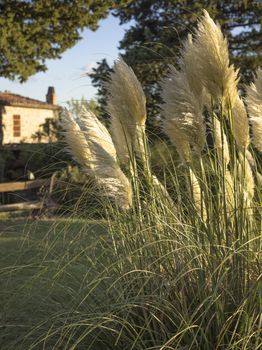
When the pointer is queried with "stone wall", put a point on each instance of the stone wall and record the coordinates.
(30, 121)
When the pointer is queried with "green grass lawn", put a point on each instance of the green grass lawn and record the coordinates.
(44, 265)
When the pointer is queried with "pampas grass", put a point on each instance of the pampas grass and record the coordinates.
(207, 81)
(183, 112)
(181, 269)
(178, 139)
(254, 105)
(197, 195)
(221, 143)
(91, 145)
(246, 176)
(240, 125)
(126, 104)
(187, 64)
(210, 57)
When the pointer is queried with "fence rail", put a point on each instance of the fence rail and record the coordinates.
(44, 202)
(23, 185)
(21, 206)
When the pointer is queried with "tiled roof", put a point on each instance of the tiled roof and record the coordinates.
(9, 99)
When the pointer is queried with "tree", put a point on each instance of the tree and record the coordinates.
(75, 106)
(50, 130)
(33, 31)
(99, 76)
(161, 26)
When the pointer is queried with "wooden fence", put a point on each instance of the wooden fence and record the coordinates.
(39, 204)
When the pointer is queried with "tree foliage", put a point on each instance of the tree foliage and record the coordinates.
(75, 106)
(99, 77)
(161, 26)
(33, 31)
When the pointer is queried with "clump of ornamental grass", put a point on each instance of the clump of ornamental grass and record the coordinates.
(254, 103)
(183, 258)
(92, 147)
(126, 104)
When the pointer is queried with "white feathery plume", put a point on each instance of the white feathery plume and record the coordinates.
(126, 104)
(197, 195)
(97, 136)
(221, 144)
(75, 139)
(211, 61)
(91, 145)
(240, 125)
(249, 181)
(187, 64)
(182, 111)
(254, 107)
(222, 148)
(250, 159)
(246, 178)
(252, 164)
(162, 190)
(179, 140)
(229, 191)
(259, 180)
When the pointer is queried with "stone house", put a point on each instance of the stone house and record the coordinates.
(21, 118)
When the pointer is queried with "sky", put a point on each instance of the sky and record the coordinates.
(67, 74)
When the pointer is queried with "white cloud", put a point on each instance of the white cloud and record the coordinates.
(89, 68)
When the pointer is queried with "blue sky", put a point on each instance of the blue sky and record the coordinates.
(66, 74)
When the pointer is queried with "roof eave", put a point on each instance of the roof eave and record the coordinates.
(31, 105)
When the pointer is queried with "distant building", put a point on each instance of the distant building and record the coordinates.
(21, 117)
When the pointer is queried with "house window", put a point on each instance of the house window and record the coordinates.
(16, 125)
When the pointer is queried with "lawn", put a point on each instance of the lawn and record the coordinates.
(43, 268)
